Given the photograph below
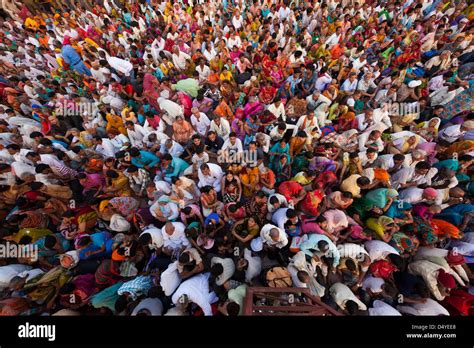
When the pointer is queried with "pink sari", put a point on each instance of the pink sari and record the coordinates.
(151, 91)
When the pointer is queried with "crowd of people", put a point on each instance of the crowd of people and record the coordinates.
(161, 157)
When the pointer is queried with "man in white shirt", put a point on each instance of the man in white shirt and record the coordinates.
(232, 145)
(272, 236)
(421, 174)
(180, 58)
(237, 21)
(350, 84)
(278, 109)
(203, 70)
(221, 126)
(174, 238)
(334, 38)
(200, 122)
(103, 146)
(172, 109)
(210, 174)
(136, 134)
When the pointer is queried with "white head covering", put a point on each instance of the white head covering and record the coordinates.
(414, 83)
(70, 259)
(119, 224)
(256, 244)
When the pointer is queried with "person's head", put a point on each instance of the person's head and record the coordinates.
(445, 280)
(84, 242)
(184, 258)
(351, 265)
(13, 149)
(363, 182)
(274, 202)
(217, 269)
(303, 277)
(205, 170)
(144, 239)
(323, 246)
(456, 192)
(396, 260)
(169, 228)
(352, 307)
(275, 234)
(233, 309)
(398, 159)
(50, 242)
(422, 168)
(17, 283)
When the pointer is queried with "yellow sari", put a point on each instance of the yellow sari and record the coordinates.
(115, 122)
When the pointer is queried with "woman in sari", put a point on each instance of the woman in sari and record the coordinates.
(209, 201)
(151, 87)
(115, 122)
(381, 198)
(165, 209)
(428, 129)
(250, 178)
(282, 148)
(246, 229)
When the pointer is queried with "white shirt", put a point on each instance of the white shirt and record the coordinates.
(136, 135)
(172, 109)
(341, 293)
(279, 217)
(121, 65)
(179, 60)
(178, 239)
(322, 82)
(223, 130)
(203, 72)
(202, 124)
(379, 250)
(214, 177)
(281, 199)
(232, 148)
(265, 235)
(106, 149)
(156, 237)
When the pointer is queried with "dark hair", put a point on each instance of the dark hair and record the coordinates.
(121, 303)
(398, 157)
(217, 270)
(422, 165)
(291, 213)
(184, 258)
(84, 241)
(111, 174)
(144, 239)
(347, 194)
(132, 169)
(13, 147)
(36, 134)
(134, 152)
(350, 264)
(40, 168)
(396, 260)
(352, 307)
(233, 309)
(322, 244)
(363, 181)
(36, 185)
(273, 200)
